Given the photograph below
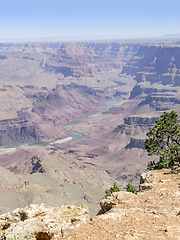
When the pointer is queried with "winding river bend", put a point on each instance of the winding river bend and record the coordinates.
(76, 136)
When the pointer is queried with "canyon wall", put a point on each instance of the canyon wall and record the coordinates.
(157, 72)
(33, 114)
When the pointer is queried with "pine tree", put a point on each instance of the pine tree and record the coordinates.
(164, 140)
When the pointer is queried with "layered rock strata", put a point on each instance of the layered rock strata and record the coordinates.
(33, 114)
(136, 127)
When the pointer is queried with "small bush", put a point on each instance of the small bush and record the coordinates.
(151, 165)
(131, 189)
(108, 192)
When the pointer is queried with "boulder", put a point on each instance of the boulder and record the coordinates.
(38, 221)
(146, 181)
(116, 198)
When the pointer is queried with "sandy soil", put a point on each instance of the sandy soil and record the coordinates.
(62, 140)
(149, 215)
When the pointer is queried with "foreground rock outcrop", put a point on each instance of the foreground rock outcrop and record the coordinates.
(153, 213)
(150, 214)
(41, 221)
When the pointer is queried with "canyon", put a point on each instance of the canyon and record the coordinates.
(50, 89)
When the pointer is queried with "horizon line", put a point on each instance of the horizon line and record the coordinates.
(89, 38)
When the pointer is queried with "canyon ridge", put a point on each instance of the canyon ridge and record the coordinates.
(74, 117)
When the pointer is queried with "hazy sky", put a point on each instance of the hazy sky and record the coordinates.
(51, 18)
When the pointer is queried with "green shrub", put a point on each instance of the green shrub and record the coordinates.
(108, 192)
(151, 165)
(130, 188)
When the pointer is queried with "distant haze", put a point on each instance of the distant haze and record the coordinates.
(76, 39)
(83, 20)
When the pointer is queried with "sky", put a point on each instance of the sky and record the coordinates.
(88, 19)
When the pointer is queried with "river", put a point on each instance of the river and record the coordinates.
(74, 135)
(77, 136)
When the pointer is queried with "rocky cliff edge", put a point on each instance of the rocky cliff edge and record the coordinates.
(152, 213)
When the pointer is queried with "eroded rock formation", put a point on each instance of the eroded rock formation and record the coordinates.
(33, 114)
(156, 69)
(37, 221)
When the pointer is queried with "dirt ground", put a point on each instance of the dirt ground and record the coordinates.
(152, 214)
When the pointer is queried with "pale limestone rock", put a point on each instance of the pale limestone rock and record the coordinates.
(106, 205)
(36, 220)
(146, 181)
(145, 186)
(147, 177)
(115, 199)
(176, 169)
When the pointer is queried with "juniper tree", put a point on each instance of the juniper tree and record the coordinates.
(164, 140)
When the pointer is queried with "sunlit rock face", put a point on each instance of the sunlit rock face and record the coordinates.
(157, 72)
(41, 220)
(155, 63)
